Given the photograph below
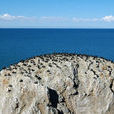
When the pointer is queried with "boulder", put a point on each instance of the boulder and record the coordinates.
(58, 84)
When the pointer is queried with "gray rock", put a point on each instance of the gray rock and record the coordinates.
(58, 84)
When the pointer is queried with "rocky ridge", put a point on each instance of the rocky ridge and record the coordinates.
(58, 84)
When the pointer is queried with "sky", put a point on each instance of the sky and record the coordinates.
(56, 13)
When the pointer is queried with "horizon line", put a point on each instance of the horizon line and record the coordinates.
(50, 28)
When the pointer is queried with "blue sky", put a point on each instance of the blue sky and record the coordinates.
(57, 13)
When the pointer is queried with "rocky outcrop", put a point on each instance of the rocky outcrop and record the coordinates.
(58, 84)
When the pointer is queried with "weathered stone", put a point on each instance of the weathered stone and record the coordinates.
(58, 84)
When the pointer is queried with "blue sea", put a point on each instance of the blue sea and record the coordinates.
(18, 44)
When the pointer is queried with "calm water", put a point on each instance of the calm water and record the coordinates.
(17, 44)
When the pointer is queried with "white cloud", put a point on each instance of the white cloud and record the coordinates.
(102, 19)
(52, 19)
(109, 18)
(8, 17)
(85, 19)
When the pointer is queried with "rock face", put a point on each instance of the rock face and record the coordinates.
(58, 84)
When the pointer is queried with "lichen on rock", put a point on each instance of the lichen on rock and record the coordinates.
(58, 84)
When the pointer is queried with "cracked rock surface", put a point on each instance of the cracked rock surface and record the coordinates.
(58, 84)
